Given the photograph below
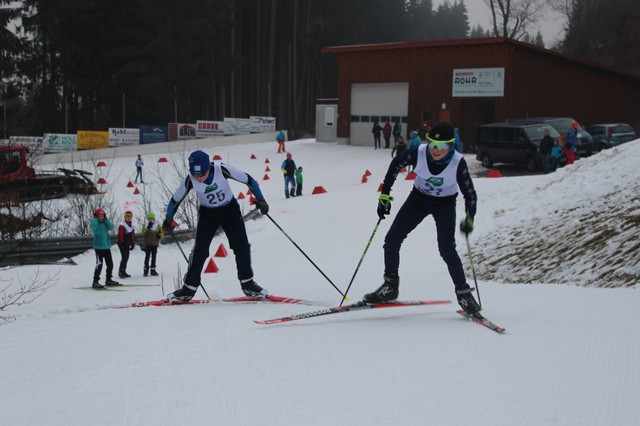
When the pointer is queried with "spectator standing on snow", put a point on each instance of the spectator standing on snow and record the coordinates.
(218, 208)
(399, 148)
(546, 144)
(397, 130)
(440, 171)
(571, 142)
(126, 242)
(280, 138)
(100, 227)
(139, 164)
(386, 134)
(289, 168)
(376, 130)
(414, 142)
(299, 182)
(152, 234)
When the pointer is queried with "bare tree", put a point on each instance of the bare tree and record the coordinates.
(512, 18)
(17, 294)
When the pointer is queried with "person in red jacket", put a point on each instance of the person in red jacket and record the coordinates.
(126, 242)
(386, 134)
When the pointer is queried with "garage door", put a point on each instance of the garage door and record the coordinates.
(382, 102)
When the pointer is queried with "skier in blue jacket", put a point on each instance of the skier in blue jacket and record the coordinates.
(440, 172)
(218, 207)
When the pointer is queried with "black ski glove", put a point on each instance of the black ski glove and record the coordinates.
(466, 226)
(384, 205)
(262, 206)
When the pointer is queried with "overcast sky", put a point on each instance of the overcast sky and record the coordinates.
(479, 13)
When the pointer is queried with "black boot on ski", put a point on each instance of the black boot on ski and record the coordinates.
(146, 272)
(123, 274)
(111, 283)
(387, 292)
(97, 285)
(251, 289)
(153, 272)
(467, 302)
(183, 294)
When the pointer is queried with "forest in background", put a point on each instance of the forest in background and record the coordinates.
(68, 65)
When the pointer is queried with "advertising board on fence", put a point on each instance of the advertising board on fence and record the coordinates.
(56, 142)
(32, 143)
(262, 124)
(186, 131)
(237, 126)
(478, 82)
(205, 129)
(153, 134)
(123, 137)
(90, 139)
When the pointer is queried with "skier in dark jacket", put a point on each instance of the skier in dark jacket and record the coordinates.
(289, 172)
(218, 207)
(440, 171)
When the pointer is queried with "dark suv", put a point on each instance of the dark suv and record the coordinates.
(612, 134)
(514, 143)
(586, 146)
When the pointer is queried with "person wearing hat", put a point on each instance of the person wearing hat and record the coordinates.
(152, 234)
(100, 227)
(440, 171)
(414, 142)
(139, 164)
(218, 207)
(280, 138)
(571, 142)
(126, 242)
(289, 168)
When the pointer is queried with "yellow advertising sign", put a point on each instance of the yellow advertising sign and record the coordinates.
(89, 139)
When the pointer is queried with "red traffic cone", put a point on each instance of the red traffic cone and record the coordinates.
(253, 157)
(266, 177)
(267, 169)
(101, 164)
(102, 181)
(136, 192)
(267, 160)
(410, 176)
(211, 267)
(221, 252)
(162, 160)
(130, 184)
(494, 173)
(249, 192)
(364, 178)
(241, 196)
(318, 190)
(367, 172)
(252, 200)
(217, 157)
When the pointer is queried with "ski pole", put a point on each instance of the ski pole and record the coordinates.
(473, 269)
(185, 258)
(305, 255)
(361, 259)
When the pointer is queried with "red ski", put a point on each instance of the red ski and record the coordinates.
(354, 307)
(479, 319)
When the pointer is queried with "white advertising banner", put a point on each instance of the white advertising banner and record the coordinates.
(237, 126)
(55, 142)
(478, 82)
(123, 137)
(32, 143)
(206, 129)
(186, 131)
(262, 124)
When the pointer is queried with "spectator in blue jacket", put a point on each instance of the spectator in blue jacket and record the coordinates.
(100, 226)
(571, 142)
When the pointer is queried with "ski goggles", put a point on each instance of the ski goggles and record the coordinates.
(199, 174)
(440, 144)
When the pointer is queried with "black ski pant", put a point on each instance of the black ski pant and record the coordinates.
(150, 253)
(124, 253)
(209, 219)
(410, 215)
(103, 256)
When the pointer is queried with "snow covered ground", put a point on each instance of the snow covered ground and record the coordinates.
(569, 356)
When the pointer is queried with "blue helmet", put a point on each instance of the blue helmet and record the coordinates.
(199, 163)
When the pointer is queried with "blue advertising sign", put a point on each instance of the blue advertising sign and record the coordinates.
(153, 134)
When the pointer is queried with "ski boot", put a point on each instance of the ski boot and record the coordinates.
(146, 272)
(97, 285)
(183, 294)
(153, 272)
(387, 292)
(111, 283)
(251, 289)
(468, 302)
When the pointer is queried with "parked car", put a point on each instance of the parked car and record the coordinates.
(513, 143)
(586, 146)
(611, 134)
